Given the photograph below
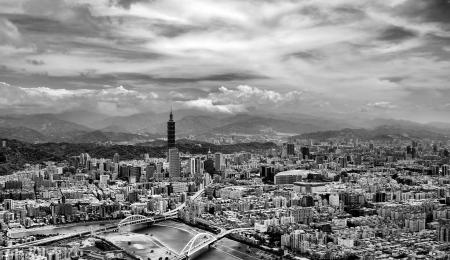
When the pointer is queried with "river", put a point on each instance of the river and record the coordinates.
(159, 240)
(174, 235)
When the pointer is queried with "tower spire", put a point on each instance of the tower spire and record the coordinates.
(171, 131)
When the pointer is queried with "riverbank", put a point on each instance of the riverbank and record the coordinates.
(60, 229)
(143, 246)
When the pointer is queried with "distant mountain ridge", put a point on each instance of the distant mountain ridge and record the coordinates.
(82, 126)
(50, 128)
(383, 132)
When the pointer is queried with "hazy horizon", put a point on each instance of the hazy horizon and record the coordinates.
(346, 59)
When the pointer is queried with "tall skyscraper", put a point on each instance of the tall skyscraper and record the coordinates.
(219, 162)
(171, 132)
(174, 163)
(290, 149)
(193, 166)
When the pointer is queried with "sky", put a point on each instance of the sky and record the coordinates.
(347, 58)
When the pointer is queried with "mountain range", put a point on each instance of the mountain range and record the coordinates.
(88, 127)
(383, 132)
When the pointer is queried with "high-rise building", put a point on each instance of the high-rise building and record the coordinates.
(290, 149)
(116, 158)
(343, 162)
(150, 171)
(171, 132)
(198, 165)
(194, 166)
(219, 162)
(174, 163)
(445, 170)
(267, 173)
(443, 230)
(305, 152)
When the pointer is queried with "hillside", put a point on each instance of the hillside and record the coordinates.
(80, 126)
(384, 132)
(23, 134)
(17, 153)
(46, 124)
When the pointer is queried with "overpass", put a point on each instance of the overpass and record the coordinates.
(182, 205)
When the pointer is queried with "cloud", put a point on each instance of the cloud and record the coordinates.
(208, 105)
(317, 56)
(125, 3)
(239, 99)
(9, 34)
(396, 33)
(36, 62)
(425, 10)
(382, 105)
(113, 100)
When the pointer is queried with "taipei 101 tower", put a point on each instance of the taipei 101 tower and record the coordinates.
(171, 132)
(173, 156)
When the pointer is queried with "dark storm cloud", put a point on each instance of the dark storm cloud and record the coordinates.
(36, 62)
(396, 33)
(50, 26)
(174, 30)
(306, 55)
(126, 3)
(76, 17)
(427, 10)
(107, 51)
(92, 80)
(396, 79)
(158, 79)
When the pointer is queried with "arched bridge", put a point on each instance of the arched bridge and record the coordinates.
(196, 242)
(202, 241)
(135, 219)
(139, 219)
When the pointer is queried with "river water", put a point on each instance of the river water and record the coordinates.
(168, 234)
(176, 235)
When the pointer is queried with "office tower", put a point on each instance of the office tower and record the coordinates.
(343, 162)
(174, 163)
(445, 170)
(290, 149)
(198, 165)
(193, 166)
(104, 178)
(159, 167)
(267, 173)
(171, 132)
(305, 152)
(150, 171)
(116, 158)
(208, 166)
(443, 230)
(219, 162)
(159, 175)
(8, 204)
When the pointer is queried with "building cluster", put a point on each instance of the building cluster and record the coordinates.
(334, 199)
